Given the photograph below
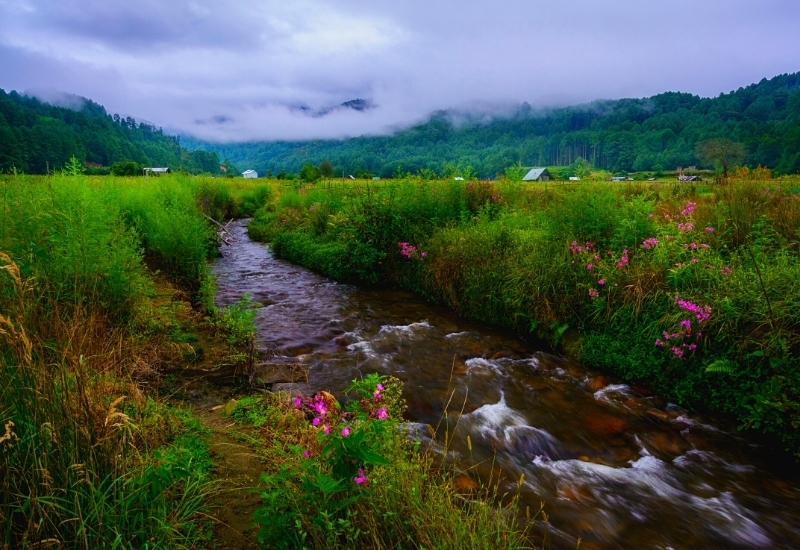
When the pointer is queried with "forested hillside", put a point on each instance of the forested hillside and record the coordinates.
(36, 135)
(659, 132)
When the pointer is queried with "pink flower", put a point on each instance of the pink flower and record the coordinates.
(326, 429)
(383, 414)
(298, 401)
(346, 431)
(315, 421)
(379, 387)
(361, 477)
(650, 216)
(377, 395)
(593, 293)
(709, 229)
(589, 267)
(601, 282)
(306, 454)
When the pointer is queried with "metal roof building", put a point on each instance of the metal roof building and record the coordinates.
(537, 174)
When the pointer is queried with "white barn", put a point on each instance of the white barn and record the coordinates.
(537, 174)
(249, 174)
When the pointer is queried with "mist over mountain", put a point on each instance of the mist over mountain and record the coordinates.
(653, 133)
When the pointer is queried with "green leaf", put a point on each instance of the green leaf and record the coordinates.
(722, 365)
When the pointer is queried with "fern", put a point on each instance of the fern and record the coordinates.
(722, 365)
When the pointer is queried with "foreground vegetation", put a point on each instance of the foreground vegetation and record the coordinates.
(94, 454)
(691, 289)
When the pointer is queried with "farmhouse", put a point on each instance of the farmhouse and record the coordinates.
(249, 174)
(537, 174)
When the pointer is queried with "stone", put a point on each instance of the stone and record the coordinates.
(661, 415)
(604, 424)
(227, 410)
(597, 383)
(501, 355)
(641, 390)
(282, 373)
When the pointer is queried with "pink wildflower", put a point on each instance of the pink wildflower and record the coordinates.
(346, 431)
(383, 414)
(601, 282)
(361, 477)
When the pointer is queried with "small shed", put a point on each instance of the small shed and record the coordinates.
(574, 178)
(249, 174)
(157, 171)
(537, 174)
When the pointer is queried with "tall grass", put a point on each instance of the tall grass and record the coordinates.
(89, 460)
(503, 253)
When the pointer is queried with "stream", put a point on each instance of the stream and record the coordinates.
(614, 464)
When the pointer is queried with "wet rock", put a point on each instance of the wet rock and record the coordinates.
(603, 424)
(501, 355)
(343, 341)
(530, 442)
(298, 350)
(459, 366)
(305, 357)
(267, 302)
(641, 390)
(658, 402)
(227, 410)
(661, 415)
(280, 373)
(597, 383)
(575, 494)
(664, 443)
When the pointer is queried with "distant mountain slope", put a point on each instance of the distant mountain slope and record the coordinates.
(625, 134)
(35, 135)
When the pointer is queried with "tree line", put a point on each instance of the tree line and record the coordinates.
(36, 137)
(627, 135)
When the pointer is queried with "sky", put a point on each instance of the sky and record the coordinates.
(244, 70)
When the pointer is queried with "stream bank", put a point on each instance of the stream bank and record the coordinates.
(615, 465)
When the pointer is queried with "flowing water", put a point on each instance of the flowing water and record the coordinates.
(613, 464)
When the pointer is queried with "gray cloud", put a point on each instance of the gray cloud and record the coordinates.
(239, 69)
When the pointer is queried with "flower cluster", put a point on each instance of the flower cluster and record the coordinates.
(575, 248)
(689, 208)
(650, 243)
(623, 261)
(411, 251)
(325, 415)
(686, 226)
(593, 293)
(680, 345)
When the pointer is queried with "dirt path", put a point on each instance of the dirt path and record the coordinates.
(239, 468)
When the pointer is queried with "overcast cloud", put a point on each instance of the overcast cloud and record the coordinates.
(238, 70)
